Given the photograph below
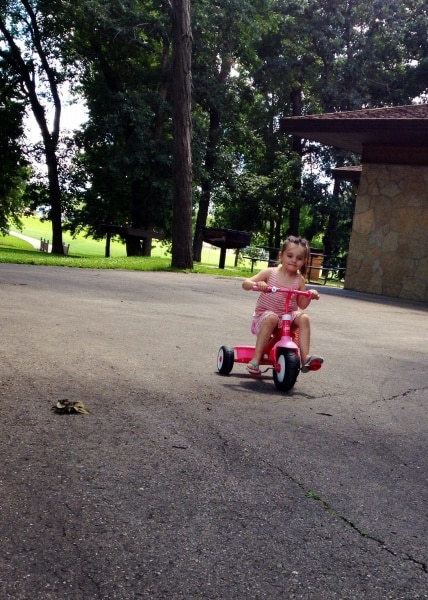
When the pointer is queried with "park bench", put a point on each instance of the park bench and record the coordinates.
(324, 268)
(225, 239)
(255, 259)
(332, 272)
(321, 267)
(257, 254)
(44, 246)
(129, 232)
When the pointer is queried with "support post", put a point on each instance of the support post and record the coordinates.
(222, 258)
(108, 244)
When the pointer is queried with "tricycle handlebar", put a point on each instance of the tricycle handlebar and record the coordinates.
(273, 289)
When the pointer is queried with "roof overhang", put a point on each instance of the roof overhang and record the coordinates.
(353, 135)
(351, 173)
(385, 129)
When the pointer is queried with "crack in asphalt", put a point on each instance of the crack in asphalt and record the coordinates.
(407, 393)
(402, 395)
(326, 505)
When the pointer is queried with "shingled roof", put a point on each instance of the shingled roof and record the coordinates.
(393, 126)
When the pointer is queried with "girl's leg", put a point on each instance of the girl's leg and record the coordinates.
(309, 363)
(269, 325)
(303, 323)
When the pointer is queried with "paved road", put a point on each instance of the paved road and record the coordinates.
(183, 484)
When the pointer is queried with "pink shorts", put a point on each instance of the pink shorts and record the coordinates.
(258, 321)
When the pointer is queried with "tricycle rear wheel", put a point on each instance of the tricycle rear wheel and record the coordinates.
(225, 360)
(288, 364)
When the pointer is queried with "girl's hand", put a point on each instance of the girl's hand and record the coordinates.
(314, 295)
(258, 280)
(262, 285)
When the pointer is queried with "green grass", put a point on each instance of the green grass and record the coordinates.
(133, 263)
(9, 241)
(36, 228)
(90, 253)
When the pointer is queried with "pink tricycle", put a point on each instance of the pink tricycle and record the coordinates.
(281, 354)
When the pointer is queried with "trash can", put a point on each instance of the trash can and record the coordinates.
(316, 259)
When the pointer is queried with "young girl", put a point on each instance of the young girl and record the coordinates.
(289, 273)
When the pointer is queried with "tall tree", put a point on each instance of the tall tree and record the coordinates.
(225, 34)
(14, 170)
(279, 84)
(30, 52)
(182, 132)
(323, 56)
(124, 164)
(370, 51)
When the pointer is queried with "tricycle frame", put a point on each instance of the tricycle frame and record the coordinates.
(281, 353)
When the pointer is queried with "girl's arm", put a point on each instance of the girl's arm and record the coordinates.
(302, 301)
(260, 279)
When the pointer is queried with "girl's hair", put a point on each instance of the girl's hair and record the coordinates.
(292, 239)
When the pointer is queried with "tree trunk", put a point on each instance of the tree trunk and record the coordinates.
(210, 160)
(201, 221)
(297, 144)
(206, 184)
(50, 144)
(24, 70)
(143, 196)
(54, 198)
(135, 246)
(182, 132)
(330, 231)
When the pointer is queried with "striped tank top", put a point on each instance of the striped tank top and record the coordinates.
(276, 302)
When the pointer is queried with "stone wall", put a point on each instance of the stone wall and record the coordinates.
(388, 252)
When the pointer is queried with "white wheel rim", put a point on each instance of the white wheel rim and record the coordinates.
(281, 372)
(220, 359)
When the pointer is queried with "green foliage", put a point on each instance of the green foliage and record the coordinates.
(317, 56)
(89, 253)
(254, 61)
(30, 46)
(368, 51)
(122, 171)
(14, 170)
(129, 263)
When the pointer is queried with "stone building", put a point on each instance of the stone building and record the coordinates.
(388, 252)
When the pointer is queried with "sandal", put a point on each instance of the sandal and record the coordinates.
(254, 369)
(312, 364)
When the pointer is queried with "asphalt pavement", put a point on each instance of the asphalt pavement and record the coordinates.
(182, 484)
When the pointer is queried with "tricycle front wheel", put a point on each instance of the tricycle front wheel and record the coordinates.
(225, 360)
(287, 369)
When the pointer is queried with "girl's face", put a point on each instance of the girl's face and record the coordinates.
(293, 257)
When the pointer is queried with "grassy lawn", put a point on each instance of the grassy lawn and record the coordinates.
(90, 253)
(80, 246)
